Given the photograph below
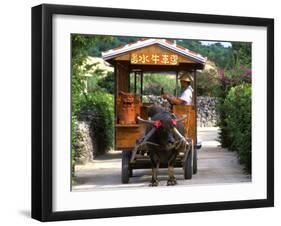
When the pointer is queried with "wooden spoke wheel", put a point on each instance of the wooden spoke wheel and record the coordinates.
(195, 157)
(126, 169)
(187, 166)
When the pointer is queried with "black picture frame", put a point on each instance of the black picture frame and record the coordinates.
(42, 107)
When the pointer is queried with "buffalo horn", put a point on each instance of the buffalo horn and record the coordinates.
(150, 122)
(178, 133)
(182, 118)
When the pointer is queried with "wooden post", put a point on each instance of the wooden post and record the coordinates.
(141, 88)
(135, 82)
(177, 83)
(129, 81)
(195, 103)
(115, 101)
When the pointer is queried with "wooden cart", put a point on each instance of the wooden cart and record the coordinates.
(131, 62)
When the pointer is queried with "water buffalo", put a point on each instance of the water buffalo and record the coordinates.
(164, 139)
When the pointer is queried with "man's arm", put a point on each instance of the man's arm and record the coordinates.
(173, 100)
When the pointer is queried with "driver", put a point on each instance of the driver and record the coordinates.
(186, 96)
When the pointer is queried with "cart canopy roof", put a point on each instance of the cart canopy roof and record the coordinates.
(153, 53)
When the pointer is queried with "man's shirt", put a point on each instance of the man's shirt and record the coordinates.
(187, 95)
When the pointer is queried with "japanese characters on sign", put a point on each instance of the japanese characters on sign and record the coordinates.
(154, 58)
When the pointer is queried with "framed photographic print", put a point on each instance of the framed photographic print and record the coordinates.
(145, 112)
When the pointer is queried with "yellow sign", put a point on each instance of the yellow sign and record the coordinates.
(158, 59)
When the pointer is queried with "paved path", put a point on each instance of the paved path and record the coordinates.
(215, 165)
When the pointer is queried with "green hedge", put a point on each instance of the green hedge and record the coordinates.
(237, 123)
(101, 106)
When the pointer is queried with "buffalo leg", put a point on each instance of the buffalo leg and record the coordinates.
(155, 166)
(171, 180)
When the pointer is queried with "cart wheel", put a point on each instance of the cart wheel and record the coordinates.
(195, 160)
(125, 167)
(187, 166)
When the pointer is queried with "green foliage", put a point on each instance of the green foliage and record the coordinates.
(107, 83)
(237, 122)
(79, 52)
(225, 57)
(222, 56)
(153, 82)
(235, 103)
(115, 41)
(80, 46)
(207, 85)
(92, 84)
(101, 106)
(208, 81)
(242, 52)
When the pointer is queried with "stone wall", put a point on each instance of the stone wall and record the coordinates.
(84, 148)
(85, 145)
(207, 114)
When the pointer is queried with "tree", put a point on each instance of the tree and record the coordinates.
(80, 46)
(242, 52)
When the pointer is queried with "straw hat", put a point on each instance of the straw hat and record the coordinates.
(186, 76)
